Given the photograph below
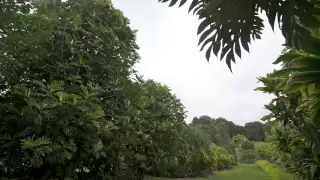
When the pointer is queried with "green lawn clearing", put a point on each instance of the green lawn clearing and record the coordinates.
(242, 172)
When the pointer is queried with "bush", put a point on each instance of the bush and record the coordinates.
(221, 157)
(274, 171)
(265, 151)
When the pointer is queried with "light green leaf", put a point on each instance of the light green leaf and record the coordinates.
(98, 146)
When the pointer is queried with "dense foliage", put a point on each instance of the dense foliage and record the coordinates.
(222, 130)
(72, 106)
(69, 107)
(266, 151)
(295, 110)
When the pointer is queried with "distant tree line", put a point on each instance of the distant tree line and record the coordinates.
(222, 130)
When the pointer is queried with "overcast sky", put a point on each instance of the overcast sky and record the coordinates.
(169, 54)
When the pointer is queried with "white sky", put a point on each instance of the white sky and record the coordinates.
(169, 54)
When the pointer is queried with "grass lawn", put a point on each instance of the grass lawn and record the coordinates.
(242, 172)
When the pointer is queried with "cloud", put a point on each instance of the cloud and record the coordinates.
(169, 54)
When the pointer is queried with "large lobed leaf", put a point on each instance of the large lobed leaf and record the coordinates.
(225, 24)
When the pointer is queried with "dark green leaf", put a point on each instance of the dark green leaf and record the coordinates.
(173, 2)
(287, 17)
(244, 44)
(205, 43)
(182, 2)
(208, 53)
(308, 19)
(229, 58)
(193, 5)
(224, 52)
(272, 12)
(216, 48)
(204, 35)
(205, 23)
(237, 48)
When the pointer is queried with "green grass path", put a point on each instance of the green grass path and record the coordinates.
(242, 172)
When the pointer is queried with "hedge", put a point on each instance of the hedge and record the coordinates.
(274, 171)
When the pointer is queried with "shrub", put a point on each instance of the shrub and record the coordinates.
(221, 157)
(265, 151)
(274, 171)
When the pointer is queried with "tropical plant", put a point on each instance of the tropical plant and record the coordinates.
(225, 24)
(295, 110)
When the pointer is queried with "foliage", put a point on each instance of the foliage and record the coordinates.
(246, 152)
(266, 150)
(220, 130)
(274, 172)
(295, 109)
(69, 107)
(245, 149)
(223, 133)
(238, 139)
(222, 158)
(200, 159)
(255, 131)
(225, 24)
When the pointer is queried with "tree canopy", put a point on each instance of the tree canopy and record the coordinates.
(69, 105)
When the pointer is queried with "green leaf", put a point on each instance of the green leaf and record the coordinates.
(293, 88)
(308, 19)
(182, 2)
(216, 47)
(205, 43)
(98, 146)
(224, 52)
(77, 20)
(204, 36)
(309, 62)
(287, 16)
(205, 23)
(305, 77)
(193, 5)
(266, 117)
(173, 2)
(272, 12)
(265, 89)
(244, 43)
(229, 58)
(237, 48)
(286, 58)
(208, 53)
